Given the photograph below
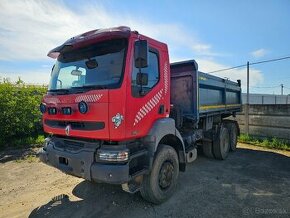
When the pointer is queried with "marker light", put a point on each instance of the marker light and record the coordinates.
(42, 108)
(66, 111)
(83, 107)
(51, 110)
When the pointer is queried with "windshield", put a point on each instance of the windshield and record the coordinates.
(97, 66)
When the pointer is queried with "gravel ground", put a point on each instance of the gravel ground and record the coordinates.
(252, 182)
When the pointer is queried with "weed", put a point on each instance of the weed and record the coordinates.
(265, 142)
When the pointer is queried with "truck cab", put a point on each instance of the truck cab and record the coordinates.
(109, 116)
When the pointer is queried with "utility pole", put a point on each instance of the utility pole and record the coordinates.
(247, 103)
(282, 86)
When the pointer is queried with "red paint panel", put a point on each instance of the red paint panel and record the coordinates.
(97, 102)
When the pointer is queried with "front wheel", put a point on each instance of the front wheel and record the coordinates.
(160, 184)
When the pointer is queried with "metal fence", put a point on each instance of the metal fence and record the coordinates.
(266, 99)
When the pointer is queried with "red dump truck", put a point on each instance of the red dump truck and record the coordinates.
(118, 112)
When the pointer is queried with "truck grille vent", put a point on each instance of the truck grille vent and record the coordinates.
(69, 145)
(75, 125)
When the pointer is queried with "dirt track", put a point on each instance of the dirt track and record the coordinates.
(251, 182)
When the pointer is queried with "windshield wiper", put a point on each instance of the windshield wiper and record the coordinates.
(92, 87)
(81, 89)
(59, 91)
(77, 89)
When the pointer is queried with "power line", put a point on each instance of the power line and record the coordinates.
(271, 60)
(253, 63)
(239, 66)
(265, 87)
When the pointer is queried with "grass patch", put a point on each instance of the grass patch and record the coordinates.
(265, 142)
(30, 158)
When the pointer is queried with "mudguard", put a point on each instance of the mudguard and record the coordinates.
(161, 128)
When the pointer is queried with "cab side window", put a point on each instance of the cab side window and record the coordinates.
(153, 76)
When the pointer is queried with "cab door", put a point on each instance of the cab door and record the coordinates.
(146, 103)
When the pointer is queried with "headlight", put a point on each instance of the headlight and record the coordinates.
(42, 108)
(117, 156)
(83, 107)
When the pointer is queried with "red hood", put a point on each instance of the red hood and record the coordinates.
(93, 124)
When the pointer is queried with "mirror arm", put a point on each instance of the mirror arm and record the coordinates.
(60, 82)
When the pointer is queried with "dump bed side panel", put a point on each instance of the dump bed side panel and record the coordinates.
(218, 95)
(214, 95)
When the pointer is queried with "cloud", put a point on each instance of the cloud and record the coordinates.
(29, 29)
(259, 53)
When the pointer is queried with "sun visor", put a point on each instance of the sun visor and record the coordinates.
(88, 38)
(54, 53)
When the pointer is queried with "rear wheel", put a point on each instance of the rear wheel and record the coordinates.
(160, 184)
(233, 131)
(221, 143)
(207, 149)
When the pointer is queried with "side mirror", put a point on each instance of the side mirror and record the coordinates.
(142, 79)
(141, 54)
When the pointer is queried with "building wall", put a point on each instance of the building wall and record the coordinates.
(266, 99)
(267, 120)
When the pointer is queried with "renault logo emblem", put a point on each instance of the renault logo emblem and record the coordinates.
(67, 129)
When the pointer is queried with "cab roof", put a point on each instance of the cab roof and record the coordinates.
(89, 38)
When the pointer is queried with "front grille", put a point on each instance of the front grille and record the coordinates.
(69, 145)
(74, 145)
(75, 125)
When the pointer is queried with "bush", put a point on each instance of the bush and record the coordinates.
(19, 112)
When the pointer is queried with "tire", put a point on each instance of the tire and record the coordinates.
(207, 149)
(221, 144)
(160, 184)
(233, 131)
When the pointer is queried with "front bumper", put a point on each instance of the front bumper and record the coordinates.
(81, 163)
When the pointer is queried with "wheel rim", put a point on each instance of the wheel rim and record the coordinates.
(166, 175)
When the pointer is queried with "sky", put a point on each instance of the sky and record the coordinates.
(217, 34)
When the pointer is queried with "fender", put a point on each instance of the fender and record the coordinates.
(163, 130)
